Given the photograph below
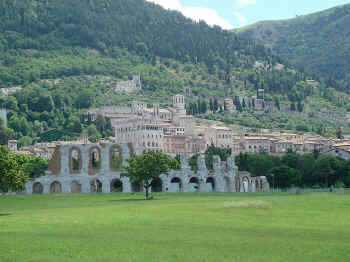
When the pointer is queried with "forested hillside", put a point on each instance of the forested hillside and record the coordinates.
(66, 54)
(319, 43)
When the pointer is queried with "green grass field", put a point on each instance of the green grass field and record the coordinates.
(186, 228)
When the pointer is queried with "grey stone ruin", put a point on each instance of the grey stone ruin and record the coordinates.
(91, 168)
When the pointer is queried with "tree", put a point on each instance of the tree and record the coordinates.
(85, 99)
(148, 167)
(93, 133)
(292, 106)
(284, 176)
(325, 169)
(12, 176)
(277, 103)
(32, 166)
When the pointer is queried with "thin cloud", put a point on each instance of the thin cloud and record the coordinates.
(242, 20)
(210, 16)
(245, 3)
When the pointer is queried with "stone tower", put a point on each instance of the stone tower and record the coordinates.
(156, 111)
(179, 104)
(12, 145)
(260, 94)
(137, 82)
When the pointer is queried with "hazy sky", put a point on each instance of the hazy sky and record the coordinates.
(235, 13)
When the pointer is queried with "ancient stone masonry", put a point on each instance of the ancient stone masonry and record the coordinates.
(91, 168)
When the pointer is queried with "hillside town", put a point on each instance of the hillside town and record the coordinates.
(171, 130)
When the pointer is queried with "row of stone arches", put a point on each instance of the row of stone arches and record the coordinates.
(116, 185)
(95, 159)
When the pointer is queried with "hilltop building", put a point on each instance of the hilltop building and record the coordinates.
(168, 130)
(129, 86)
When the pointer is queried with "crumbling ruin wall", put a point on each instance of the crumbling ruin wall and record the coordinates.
(61, 178)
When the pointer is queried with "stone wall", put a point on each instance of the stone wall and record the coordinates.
(85, 178)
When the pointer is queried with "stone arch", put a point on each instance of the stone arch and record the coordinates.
(136, 187)
(75, 160)
(116, 185)
(75, 187)
(194, 184)
(176, 185)
(96, 186)
(211, 184)
(55, 187)
(38, 188)
(115, 158)
(95, 160)
(227, 184)
(157, 185)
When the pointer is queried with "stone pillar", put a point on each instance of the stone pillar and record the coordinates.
(106, 185)
(104, 158)
(241, 185)
(85, 186)
(126, 185)
(85, 159)
(201, 164)
(202, 185)
(216, 163)
(46, 187)
(65, 186)
(231, 163)
(65, 160)
(253, 186)
(29, 188)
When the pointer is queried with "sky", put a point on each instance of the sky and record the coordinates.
(230, 14)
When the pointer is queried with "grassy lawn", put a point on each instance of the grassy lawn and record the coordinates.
(186, 228)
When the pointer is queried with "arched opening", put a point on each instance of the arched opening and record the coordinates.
(176, 185)
(38, 188)
(95, 186)
(115, 158)
(136, 187)
(210, 184)
(227, 184)
(94, 159)
(116, 186)
(56, 188)
(194, 184)
(157, 185)
(75, 187)
(75, 160)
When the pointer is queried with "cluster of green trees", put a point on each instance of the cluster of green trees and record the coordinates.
(36, 114)
(16, 169)
(56, 50)
(311, 170)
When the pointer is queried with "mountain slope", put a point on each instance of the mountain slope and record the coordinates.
(67, 54)
(319, 42)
